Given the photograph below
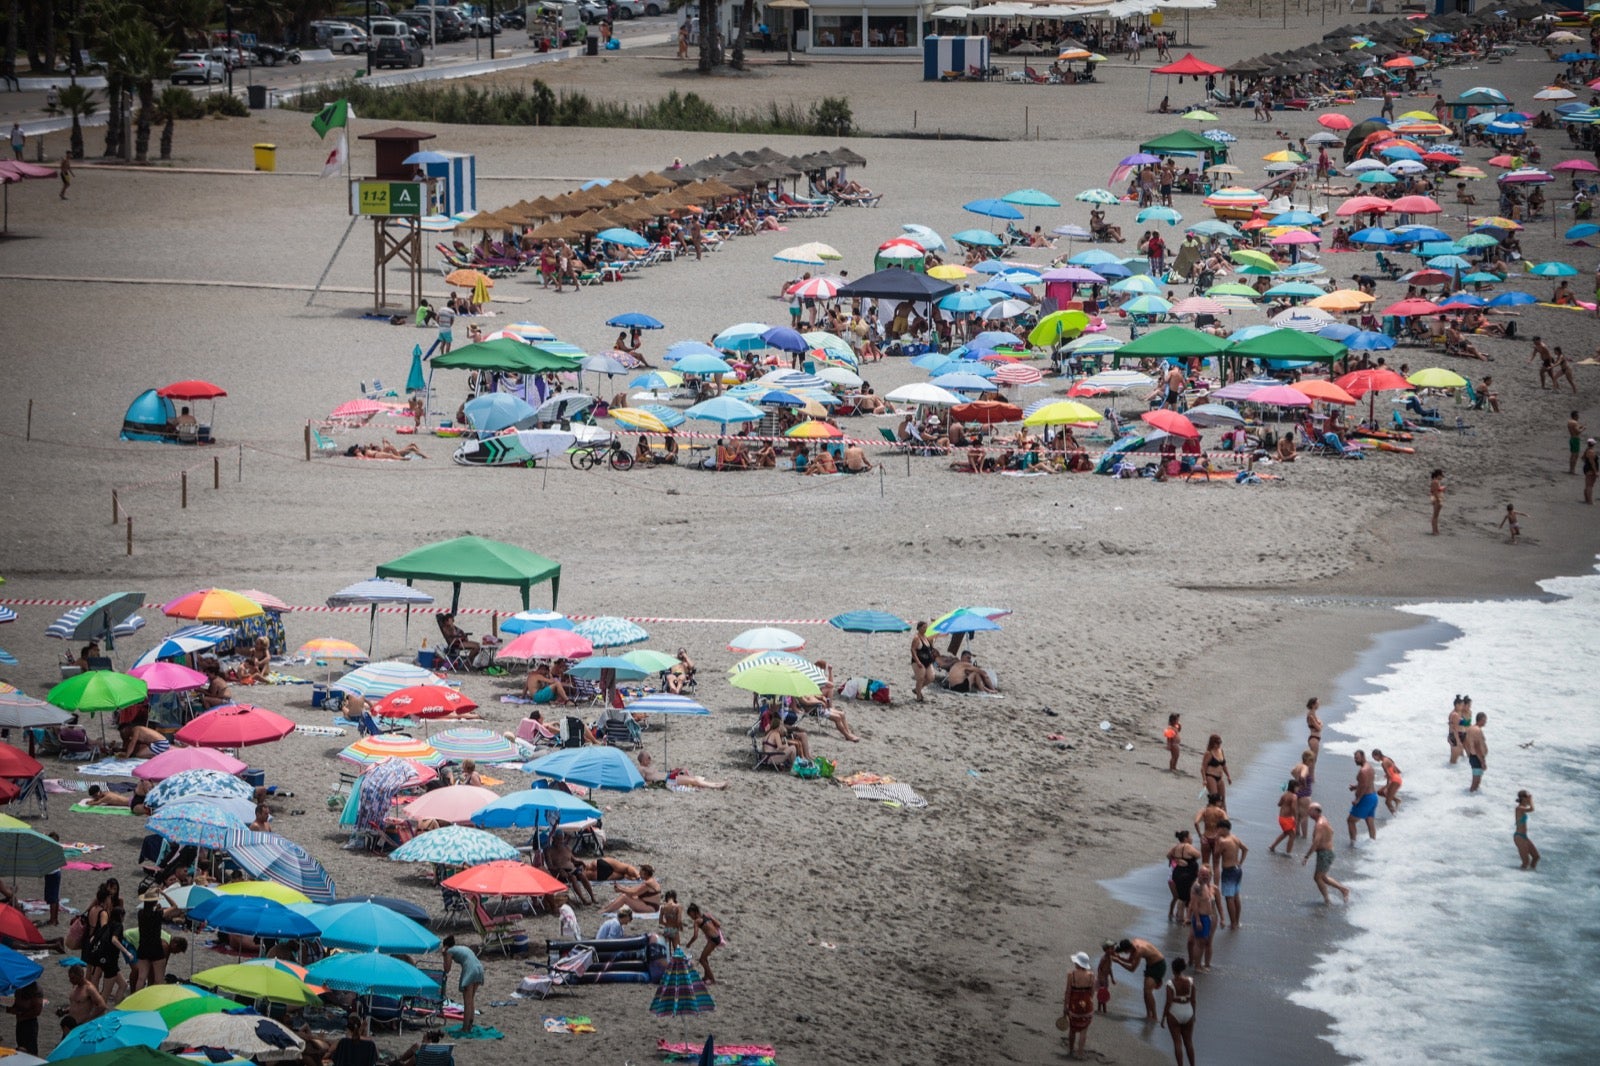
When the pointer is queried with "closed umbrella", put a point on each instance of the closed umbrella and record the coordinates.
(682, 992)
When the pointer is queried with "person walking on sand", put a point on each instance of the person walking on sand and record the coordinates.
(1128, 955)
(1077, 1005)
(1178, 1015)
(1511, 517)
(1104, 978)
(923, 657)
(1574, 441)
(1365, 807)
(1436, 497)
(471, 980)
(1476, 745)
(1322, 848)
(65, 170)
(1288, 819)
(1519, 835)
(703, 924)
(1202, 921)
(1231, 853)
(1183, 859)
(1174, 728)
(1591, 471)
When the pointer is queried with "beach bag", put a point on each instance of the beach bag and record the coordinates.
(878, 691)
(824, 766)
(802, 767)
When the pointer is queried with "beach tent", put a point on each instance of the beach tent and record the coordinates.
(895, 284)
(1180, 141)
(477, 561)
(149, 417)
(506, 355)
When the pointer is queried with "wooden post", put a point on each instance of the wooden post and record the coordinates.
(30, 421)
(130, 534)
(116, 512)
(1025, 122)
(216, 472)
(183, 491)
(241, 462)
(308, 442)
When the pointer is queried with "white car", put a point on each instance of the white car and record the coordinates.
(196, 67)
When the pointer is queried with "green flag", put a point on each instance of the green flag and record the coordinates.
(332, 116)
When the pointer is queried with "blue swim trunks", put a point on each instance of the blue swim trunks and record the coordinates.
(1201, 924)
(1366, 806)
(1232, 876)
(1476, 764)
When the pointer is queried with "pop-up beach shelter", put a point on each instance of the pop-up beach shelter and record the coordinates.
(476, 561)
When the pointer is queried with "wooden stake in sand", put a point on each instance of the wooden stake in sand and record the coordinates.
(216, 472)
(183, 490)
(116, 512)
(130, 534)
(29, 435)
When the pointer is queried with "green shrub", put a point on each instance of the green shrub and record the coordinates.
(225, 105)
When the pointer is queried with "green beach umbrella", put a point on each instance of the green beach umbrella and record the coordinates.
(257, 982)
(1173, 341)
(95, 691)
(154, 997)
(775, 679)
(1289, 344)
(180, 1011)
(26, 853)
(650, 659)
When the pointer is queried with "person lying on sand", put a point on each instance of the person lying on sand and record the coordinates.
(679, 778)
(385, 450)
(99, 797)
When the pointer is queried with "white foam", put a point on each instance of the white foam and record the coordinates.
(1454, 954)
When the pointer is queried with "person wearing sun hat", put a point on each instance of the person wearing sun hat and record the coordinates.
(1077, 1005)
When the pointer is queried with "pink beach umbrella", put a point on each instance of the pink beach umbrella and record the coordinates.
(1297, 236)
(1577, 164)
(1018, 374)
(266, 600)
(168, 677)
(455, 804)
(1279, 396)
(177, 760)
(1416, 205)
(547, 644)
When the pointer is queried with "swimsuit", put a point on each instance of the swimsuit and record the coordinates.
(1324, 861)
(1080, 1007)
(602, 870)
(1155, 970)
(1287, 823)
(1522, 824)
(1181, 1009)
(1476, 764)
(1184, 876)
(1201, 924)
(1365, 807)
(1232, 876)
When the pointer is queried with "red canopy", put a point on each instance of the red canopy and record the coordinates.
(191, 390)
(1190, 65)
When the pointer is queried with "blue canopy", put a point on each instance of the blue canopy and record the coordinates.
(148, 417)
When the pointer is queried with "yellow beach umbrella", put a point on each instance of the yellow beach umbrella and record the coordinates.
(330, 648)
(1284, 155)
(948, 272)
(640, 420)
(1062, 413)
(466, 278)
(1435, 377)
(480, 290)
(1343, 300)
(264, 890)
(1200, 114)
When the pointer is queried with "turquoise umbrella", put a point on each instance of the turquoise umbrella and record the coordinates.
(372, 927)
(371, 974)
(112, 1032)
(531, 807)
(591, 767)
(454, 845)
(415, 381)
(609, 632)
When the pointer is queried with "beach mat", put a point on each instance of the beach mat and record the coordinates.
(722, 1054)
(112, 768)
(477, 1032)
(82, 808)
(568, 1026)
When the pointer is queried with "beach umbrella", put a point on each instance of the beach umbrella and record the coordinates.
(700, 363)
(772, 678)
(16, 927)
(19, 711)
(505, 878)
(454, 845)
(275, 858)
(1147, 305)
(667, 703)
(17, 971)
(479, 745)
(768, 638)
(610, 632)
(371, 751)
(381, 678)
(725, 410)
(257, 982)
(329, 648)
(154, 997)
(423, 701)
(1142, 284)
(1279, 396)
(255, 916)
(96, 691)
(113, 1031)
(1335, 121)
(1030, 198)
(1302, 319)
(1551, 269)
(1169, 422)
(624, 237)
(376, 591)
(247, 1036)
(235, 725)
(529, 621)
(200, 821)
(1097, 196)
(1437, 378)
(106, 619)
(979, 237)
(966, 620)
(454, 804)
(366, 926)
(992, 208)
(531, 808)
(957, 381)
(214, 782)
(212, 605)
(681, 992)
(964, 301)
(1323, 391)
(619, 669)
(800, 255)
(372, 974)
(27, 853)
(1214, 414)
(1159, 214)
(498, 411)
(744, 337)
(16, 763)
(923, 393)
(591, 767)
(649, 659)
(550, 643)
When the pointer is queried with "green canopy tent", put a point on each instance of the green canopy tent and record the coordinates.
(1289, 344)
(1185, 141)
(506, 355)
(1171, 342)
(128, 1056)
(476, 561)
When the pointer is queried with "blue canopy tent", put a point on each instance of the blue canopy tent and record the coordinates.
(150, 417)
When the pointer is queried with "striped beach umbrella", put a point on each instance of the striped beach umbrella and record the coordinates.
(667, 703)
(479, 745)
(454, 845)
(380, 679)
(370, 751)
(609, 632)
(21, 711)
(7, 615)
(202, 824)
(1018, 374)
(62, 628)
(681, 991)
(26, 853)
(274, 858)
(783, 660)
(528, 621)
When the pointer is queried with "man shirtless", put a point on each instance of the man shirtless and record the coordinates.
(1205, 825)
(1202, 919)
(99, 797)
(1365, 806)
(1231, 853)
(1477, 749)
(1322, 848)
(1128, 955)
(142, 742)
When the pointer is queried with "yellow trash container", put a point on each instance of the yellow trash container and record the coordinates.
(266, 157)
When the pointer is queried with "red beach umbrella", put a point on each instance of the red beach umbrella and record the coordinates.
(1379, 379)
(423, 701)
(986, 412)
(14, 925)
(193, 389)
(235, 725)
(1335, 121)
(504, 878)
(1172, 422)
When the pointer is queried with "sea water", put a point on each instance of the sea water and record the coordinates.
(1448, 952)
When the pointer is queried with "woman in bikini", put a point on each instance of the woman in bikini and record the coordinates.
(643, 898)
(1436, 496)
(1313, 724)
(1391, 781)
(1303, 777)
(923, 657)
(1174, 728)
(1178, 1018)
(711, 929)
(1214, 769)
(1519, 836)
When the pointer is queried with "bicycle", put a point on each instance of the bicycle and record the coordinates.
(598, 453)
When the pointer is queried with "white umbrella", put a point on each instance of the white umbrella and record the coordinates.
(246, 1035)
(1304, 319)
(924, 393)
(1003, 309)
(838, 375)
(375, 591)
(767, 638)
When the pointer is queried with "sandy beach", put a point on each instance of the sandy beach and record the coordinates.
(858, 932)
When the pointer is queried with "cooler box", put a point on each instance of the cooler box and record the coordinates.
(319, 695)
(425, 658)
(254, 778)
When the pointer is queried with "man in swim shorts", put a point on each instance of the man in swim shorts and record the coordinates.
(1365, 806)
(1322, 848)
(1288, 818)
(1477, 749)
(1129, 952)
(1202, 911)
(1230, 853)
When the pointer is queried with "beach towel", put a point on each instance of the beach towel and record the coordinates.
(517, 699)
(276, 678)
(318, 731)
(77, 864)
(477, 1032)
(890, 793)
(723, 1054)
(568, 1026)
(83, 808)
(82, 848)
(57, 787)
(112, 768)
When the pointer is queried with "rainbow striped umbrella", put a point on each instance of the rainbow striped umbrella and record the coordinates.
(330, 648)
(480, 745)
(369, 751)
(681, 991)
(212, 605)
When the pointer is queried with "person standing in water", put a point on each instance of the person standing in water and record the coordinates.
(1231, 853)
(1128, 955)
(1322, 848)
(1519, 836)
(1391, 781)
(1476, 746)
(1202, 921)
(1460, 718)
(1178, 1016)
(1313, 724)
(1288, 819)
(1365, 806)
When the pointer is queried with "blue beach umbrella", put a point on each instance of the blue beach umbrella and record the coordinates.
(1002, 287)
(498, 411)
(678, 349)
(992, 209)
(528, 621)
(1367, 340)
(1374, 235)
(634, 320)
(869, 622)
(924, 236)
(667, 703)
(702, 364)
(16, 971)
(963, 382)
(966, 300)
(653, 381)
(782, 338)
(1449, 262)
(744, 337)
(1581, 230)
(1377, 177)
(198, 823)
(625, 237)
(254, 916)
(273, 858)
(1031, 198)
(416, 380)
(454, 845)
(372, 927)
(981, 238)
(724, 410)
(1296, 218)
(1420, 234)
(530, 808)
(1513, 299)
(591, 767)
(371, 974)
(592, 667)
(1553, 269)
(115, 1031)
(1159, 214)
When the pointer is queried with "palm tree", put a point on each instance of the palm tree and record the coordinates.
(79, 103)
(710, 41)
(746, 16)
(145, 60)
(173, 103)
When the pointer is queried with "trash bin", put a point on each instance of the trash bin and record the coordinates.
(266, 157)
(591, 46)
(258, 97)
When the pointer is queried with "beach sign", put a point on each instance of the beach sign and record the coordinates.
(380, 199)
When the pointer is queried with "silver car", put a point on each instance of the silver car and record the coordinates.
(196, 68)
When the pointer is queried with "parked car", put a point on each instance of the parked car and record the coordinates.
(231, 58)
(632, 9)
(270, 55)
(196, 68)
(346, 38)
(397, 52)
